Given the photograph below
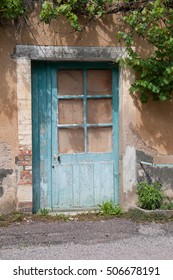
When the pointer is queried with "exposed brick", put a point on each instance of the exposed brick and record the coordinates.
(28, 157)
(20, 157)
(27, 175)
(25, 206)
(24, 147)
(25, 152)
(27, 182)
(24, 173)
(25, 163)
(20, 168)
(24, 159)
(29, 168)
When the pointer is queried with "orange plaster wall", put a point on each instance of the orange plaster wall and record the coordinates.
(58, 33)
(8, 98)
(155, 126)
(146, 127)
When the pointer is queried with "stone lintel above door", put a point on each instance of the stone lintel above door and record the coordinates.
(67, 53)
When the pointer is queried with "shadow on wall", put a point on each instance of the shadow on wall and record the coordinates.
(100, 33)
(8, 120)
(60, 33)
(7, 74)
(154, 125)
(153, 120)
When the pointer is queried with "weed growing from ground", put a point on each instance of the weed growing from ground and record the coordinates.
(167, 206)
(2, 217)
(63, 217)
(18, 217)
(43, 212)
(150, 195)
(109, 208)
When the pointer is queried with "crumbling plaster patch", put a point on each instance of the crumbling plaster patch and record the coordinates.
(6, 156)
(129, 169)
(7, 180)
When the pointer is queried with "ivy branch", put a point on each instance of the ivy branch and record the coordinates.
(150, 20)
(154, 24)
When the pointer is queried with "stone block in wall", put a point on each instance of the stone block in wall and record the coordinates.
(24, 198)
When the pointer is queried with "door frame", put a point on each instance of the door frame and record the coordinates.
(24, 55)
(45, 73)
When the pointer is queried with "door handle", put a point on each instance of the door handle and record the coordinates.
(59, 159)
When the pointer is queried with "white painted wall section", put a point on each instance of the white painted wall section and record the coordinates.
(129, 169)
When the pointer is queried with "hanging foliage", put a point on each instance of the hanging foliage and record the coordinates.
(150, 20)
(154, 24)
(11, 9)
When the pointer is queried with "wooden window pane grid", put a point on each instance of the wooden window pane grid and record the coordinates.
(88, 127)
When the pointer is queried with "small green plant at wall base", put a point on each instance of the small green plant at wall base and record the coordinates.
(110, 208)
(18, 217)
(63, 217)
(150, 195)
(167, 206)
(2, 217)
(43, 212)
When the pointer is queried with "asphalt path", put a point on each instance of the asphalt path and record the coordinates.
(91, 240)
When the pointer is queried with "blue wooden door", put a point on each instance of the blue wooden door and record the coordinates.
(78, 135)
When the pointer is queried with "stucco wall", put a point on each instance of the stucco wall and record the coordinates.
(8, 122)
(146, 128)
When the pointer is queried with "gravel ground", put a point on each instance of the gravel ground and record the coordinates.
(105, 239)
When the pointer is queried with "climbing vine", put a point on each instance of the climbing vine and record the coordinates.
(152, 21)
(11, 9)
(154, 24)
(71, 9)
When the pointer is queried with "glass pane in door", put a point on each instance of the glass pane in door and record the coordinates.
(70, 82)
(99, 82)
(70, 111)
(100, 139)
(99, 111)
(71, 140)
